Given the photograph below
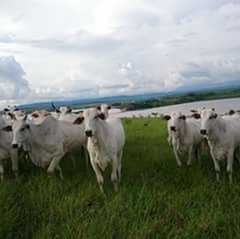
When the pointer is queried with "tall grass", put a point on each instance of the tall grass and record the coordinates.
(156, 199)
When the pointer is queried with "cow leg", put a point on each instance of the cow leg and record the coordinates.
(98, 173)
(216, 165)
(190, 151)
(170, 140)
(237, 154)
(230, 164)
(60, 171)
(197, 152)
(119, 167)
(14, 159)
(179, 163)
(114, 178)
(1, 170)
(73, 161)
(53, 165)
(86, 156)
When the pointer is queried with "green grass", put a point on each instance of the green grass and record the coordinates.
(156, 199)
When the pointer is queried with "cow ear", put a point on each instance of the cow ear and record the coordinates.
(78, 112)
(231, 112)
(196, 116)
(102, 116)
(78, 120)
(167, 117)
(215, 115)
(109, 107)
(13, 117)
(183, 117)
(7, 128)
(35, 115)
(55, 108)
(25, 117)
(46, 114)
(69, 109)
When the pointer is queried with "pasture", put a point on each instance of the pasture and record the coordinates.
(156, 199)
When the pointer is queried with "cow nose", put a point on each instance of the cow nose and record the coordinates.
(88, 133)
(203, 131)
(173, 128)
(14, 146)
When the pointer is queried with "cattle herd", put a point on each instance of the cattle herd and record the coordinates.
(46, 137)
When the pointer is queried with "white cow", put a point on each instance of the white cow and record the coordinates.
(184, 135)
(38, 116)
(48, 141)
(104, 108)
(6, 149)
(65, 113)
(12, 110)
(105, 144)
(223, 135)
(74, 134)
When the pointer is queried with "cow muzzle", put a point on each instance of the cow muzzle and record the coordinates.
(89, 133)
(173, 128)
(14, 146)
(203, 131)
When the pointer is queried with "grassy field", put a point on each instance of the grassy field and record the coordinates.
(156, 199)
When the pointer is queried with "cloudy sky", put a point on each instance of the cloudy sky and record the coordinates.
(64, 49)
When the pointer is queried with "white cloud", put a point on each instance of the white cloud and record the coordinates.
(73, 49)
(13, 84)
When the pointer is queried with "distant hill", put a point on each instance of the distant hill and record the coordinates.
(123, 99)
(209, 86)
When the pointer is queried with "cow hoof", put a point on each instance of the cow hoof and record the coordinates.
(115, 188)
(50, 173)
(15, 174)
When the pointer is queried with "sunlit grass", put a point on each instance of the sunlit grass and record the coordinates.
(156, 199)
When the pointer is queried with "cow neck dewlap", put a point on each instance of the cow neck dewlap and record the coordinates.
(101, 130)
(181, 132)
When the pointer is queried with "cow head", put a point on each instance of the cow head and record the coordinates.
(20, 129)
(208, 117)
(104, 108)
(175, 121)
(91, 119)
(40, 114)
(65, 109)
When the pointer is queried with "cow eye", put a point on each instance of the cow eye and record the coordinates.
(22, 129)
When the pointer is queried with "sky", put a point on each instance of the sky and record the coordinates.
(72, 49)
